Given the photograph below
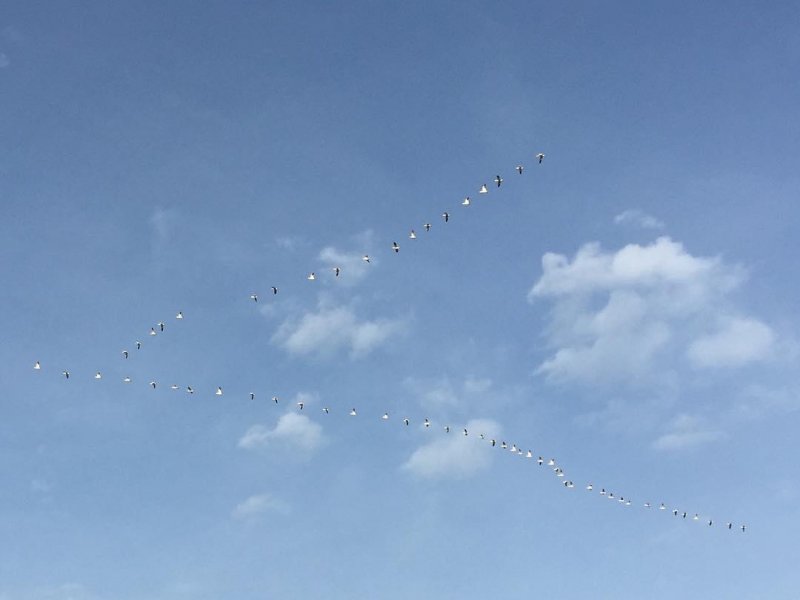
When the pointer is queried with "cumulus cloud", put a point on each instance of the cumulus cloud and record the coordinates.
(619, 315)
(686, 431)
(329, 330)
(257, 505)
(738, 341)
(454, 456)
(352, 265)
(293, 429)
(638, 218)
(444, 393)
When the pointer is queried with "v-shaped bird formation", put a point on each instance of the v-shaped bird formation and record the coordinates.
(514, 449)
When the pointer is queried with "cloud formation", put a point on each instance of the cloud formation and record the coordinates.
(686, 431)
(454, 456)
(638, 218)
(625, 315)
(257, 505)
(294, 430)
(330, 330)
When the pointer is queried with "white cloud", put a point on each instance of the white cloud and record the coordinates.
(454, 455)
(352, 264)
(443, 393)
(635, 313)
(638, 218)
(257, 505)
(330, 330)
(293, 429)
(737, 342)
(686, 431)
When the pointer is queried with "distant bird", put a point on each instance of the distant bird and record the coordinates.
(627, 503)
(743, 528)
(540, 461)
(603, 491)
(484, 189)
(153, 384)
(311, 276)
(65, 374)
(126, 380)
(405, 421)
(395, 247)
(504, 446)
(540, 156)
(218, 392)
(569, 484)
(98, 375)
(365, 258)
(37, 365)
(529, 454)
(427, 226)
(189, 389)
(465, 432)
(274, 290)
(138, 345)
(447, 428)
(153, 331)
(174, 386)
(385, 416)
(675, 512)
(647, 505)
(551, 462)
(326, 410)
(494, 443)
(514, 448)
(590, 487)
(498, 180)
(662, 507)
(252, 396)
(300, 405)
(519, 169)
(610, 495)
(412, 235)
(696, 517)
(275, 399)
(730, 525)
(710, 522)
(684, 514)
(466, 201)
(336, 271)
(161, 325)
(427, 423)
(353, 412)
(446, 216)
(179, 315)
(254, 297)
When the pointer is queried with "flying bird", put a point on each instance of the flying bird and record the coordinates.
(98, 375)
(189, 389)
(427, 226)
(405, 421)
(353, 412)
(275, 399)
(465, 432)
(179, 315)
(446, 216)
(252, 396)
(336, 271)
(161, 325)
(37, 366)
(540, 156)
(590, 487)
(138, 345)
(124, 354)
(494, 443)
(519, 169)
(385, 416)
(484, 189)
(311, 276)
(153, 384)
(412, 235)
(153, 331)
(218, 392)
(447, 428)
(395, 247)
(427, 423)
(498, 180)
(254, 297)
(126, 380)
(274, 290)
(540, 461)
(65, 374)
(300, 405)
(174, 386)
(326, 410)
(365, 258)
(465, 201)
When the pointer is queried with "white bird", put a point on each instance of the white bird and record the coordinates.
(710, 522)
(218, 392)
(494, 443)
(179, 315)
(405, 421)
(675, 512)
(385, 416)
(743, 528)
(551, 462)
(138, 345)
(498, 180)
(427, 423)
(252, 396)
(275, 399)
(326, 410)
(336, 271)
(465, 433)
(254, 297)
(540, 156)
(610, 495)
(696, 517)
(647, 505)
(627, 503)
(98, 375)
(412, 235)
(311, 276)
(466, 201)
(189, 389)
(590, 487)
(161, 325)
(65, 374)
(37, 365)
(447, 428)
(124, 354)
(126, 380)
(730, 525)
(395, 247)
(529, 454)
(365, 258)
(300, 405)
(540, 461)
(427, 226)
(519, 169)
(602, 491)
(153, 384)
(513, 448)
(484, 189)
(662, 507)
(504, 446)
(446, 216)
(353, 412)
(174, 386)
(274, 290)
(153, 331)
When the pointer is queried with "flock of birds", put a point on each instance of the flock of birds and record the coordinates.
(513, 448)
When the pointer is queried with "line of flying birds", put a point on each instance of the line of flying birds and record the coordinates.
(426, 423)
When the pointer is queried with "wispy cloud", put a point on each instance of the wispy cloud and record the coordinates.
(294, 430)
(686, 431)
(454, 456)
(257, 505)
(330, 330)
(638, 218)
(443, 393)
(641, 310)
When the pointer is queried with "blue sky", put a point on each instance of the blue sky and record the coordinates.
(628, 307)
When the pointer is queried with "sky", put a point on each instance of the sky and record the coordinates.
(627, 307)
